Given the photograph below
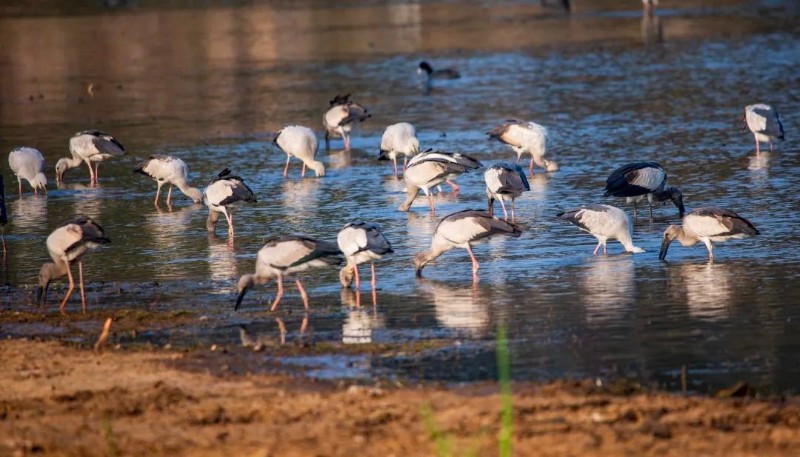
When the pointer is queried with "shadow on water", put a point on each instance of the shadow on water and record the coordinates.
(209, 84)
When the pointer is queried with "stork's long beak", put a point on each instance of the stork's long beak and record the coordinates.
(41, 294)
(664, 247)
(419, 272)
(239, 299)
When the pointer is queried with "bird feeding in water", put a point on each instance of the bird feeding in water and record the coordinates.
(67, 245)
(28, 164)
(285, 255)
(641, 181)
(604, 222)
(165, 169)
(765, 123)
(222, 196)
(709, 224)
(399, 139)
(89, 146)
(429, 169)
(505, 181)
(301, 142)
(525, 137)
(341, 118)
(361, 242)
(460, 230)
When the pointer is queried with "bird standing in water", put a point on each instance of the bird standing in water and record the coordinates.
(399, 139)
(765, 123)
(641, 181)
(604, 222)
(341, 118)
(28, 164)
(361, 242)
(222, 196)
(89, 146)
(525, 137)
(298, 141)
(505, 181)
(708, 224)
(170, 170)
(67, 245)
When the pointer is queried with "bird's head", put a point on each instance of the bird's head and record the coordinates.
(61, 166)
(195, 194)
(46, 274)
(245, 282)
(420, 260)
(677, 198)
(318, 168)
(346, 276)
(550, 165)
(39, 182)
(424, 67)
(672, 232)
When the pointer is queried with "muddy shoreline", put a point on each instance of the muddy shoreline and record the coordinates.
(61, 400)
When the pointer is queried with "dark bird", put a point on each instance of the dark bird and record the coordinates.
(708, 224)
(67, 245)
(442, 73)
(285, 255)
(643, 180)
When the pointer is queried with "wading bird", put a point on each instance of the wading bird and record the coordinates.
(89, 146)
(298, 141)
(341, 118)
(3, 214)
(67, 245)
(429, 169)
(708, 224)
(604, 222)
(643, 181)
(765, 124)
(28, 164)
(505, 181)
(361, 242)
(460, 230)
(170, 170)
(442, 73)
(285, 255)
(399, 139)
(525, 137)
(222, 196)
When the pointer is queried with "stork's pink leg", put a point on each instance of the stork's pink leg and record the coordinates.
(405, 163)
(80, 281)
(92, 179)
(431, 204)
(758, 149)
(20, 186)
(374, 284)
(278, 296)
(530, 167)
(358, 280)
(169, 195)
(453, 185)
(304, 324)
(281, 329)
(505, 213)
(475, 265)
(346, 142)
(395, 166)
(513, 203)
(158, 193)
(97, 171)
(597, 248)
(303, 173)
(303, 293)
(605, 251)
(69, 290)
(286, 168)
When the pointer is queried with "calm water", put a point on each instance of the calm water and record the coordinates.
(209, 85)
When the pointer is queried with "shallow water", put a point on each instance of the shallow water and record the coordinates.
(210, 84)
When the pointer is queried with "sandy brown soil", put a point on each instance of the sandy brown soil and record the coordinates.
(59, 400)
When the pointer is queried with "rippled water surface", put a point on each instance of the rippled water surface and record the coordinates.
(210, 85)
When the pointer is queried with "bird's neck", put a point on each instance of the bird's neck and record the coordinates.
(75, 161)
(686, 239)
(411, 194)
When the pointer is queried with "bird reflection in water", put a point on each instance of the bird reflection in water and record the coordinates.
(260, 341)
(221, 262)
(652, 29)
(300, 198)
(708, 287)
(29, 212)
(461, 308)
(167, 228)
(607, 288)
(340, 159)
(360, 322)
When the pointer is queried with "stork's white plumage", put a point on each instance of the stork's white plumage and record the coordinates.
(460, 230)
(301, 142)
(505, 181)
(708, 224)
(89, 146)
(399, 139)
(165, 169)
(67, 245)
(641, 181)
(361, 242)
(431, 168)
(765, 123)
(286, 255)
(222, 196)
(340, 119)
(28, 164)
(604, 222)
(525, 137)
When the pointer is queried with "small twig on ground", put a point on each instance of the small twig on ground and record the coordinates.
(98, 346)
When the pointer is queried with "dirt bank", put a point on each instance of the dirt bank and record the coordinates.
(58, 400)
